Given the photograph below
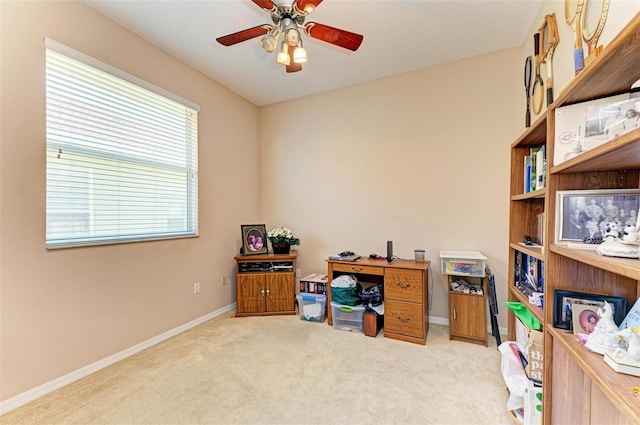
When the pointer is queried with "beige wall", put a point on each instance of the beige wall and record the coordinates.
(64, 309)
(421, 159)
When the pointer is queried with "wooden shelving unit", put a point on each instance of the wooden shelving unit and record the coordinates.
(578, 386)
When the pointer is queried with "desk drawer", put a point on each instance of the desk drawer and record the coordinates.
(356, 268)
(404, 285)
(404, 318)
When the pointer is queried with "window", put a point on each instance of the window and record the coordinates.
(122, 155)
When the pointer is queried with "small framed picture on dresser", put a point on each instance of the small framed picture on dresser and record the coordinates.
(254, 239)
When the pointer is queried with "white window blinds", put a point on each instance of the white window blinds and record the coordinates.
(122, 159)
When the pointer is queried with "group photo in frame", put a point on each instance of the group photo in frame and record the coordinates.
(585, 214)
(254, 239)
(564, 302)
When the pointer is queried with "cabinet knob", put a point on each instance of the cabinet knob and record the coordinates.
(403, 319)
(262, 291)
(403, 285)
(268, 291)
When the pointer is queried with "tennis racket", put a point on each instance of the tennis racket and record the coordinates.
(572, 12)
(527, 88)
(594, 17)
(537, 95)
(548, 42)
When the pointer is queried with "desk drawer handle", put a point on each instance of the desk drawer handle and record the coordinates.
(403, 285)
(403, 320)
(357, 269)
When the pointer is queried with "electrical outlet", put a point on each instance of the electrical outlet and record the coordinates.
(297, 272)
(225, 280)
(196, 288)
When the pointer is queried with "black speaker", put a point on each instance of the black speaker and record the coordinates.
(389, 251)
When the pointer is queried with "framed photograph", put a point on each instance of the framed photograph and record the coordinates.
(584, 214)
(585, 318)
(583, 126)
(566, 304)
(254, 239)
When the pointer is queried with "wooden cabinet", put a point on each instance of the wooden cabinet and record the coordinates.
(405, 312)
(468, 313)
(578, 387)
(265, 284)
(405, 294)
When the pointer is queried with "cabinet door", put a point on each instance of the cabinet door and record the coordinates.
(467, 315)
(280, 292)
(251, 293)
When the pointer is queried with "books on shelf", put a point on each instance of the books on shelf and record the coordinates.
(632, 319)
(622, 366)
(535, 172)
(540, 228)
(529, 273)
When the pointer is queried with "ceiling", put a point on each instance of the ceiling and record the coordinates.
(399, 36)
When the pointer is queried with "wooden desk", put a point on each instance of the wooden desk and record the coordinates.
(406, 303)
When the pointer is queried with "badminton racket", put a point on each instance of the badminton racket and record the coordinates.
(594, 17)
(527, 88)
(537, 95)
(549, 40)
(572, 12)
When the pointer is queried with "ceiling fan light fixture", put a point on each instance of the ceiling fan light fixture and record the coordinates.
(268, 43)
(283, 57)
(292, 37)
(299, 54)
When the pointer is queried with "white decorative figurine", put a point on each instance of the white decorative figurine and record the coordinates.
(625, 244)
(604, 337)
(632, 354)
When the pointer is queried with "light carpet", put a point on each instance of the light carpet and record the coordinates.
(283, 370)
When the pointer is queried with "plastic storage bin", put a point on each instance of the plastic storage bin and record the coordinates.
(463, 263)
(347, 317)
(312, 306)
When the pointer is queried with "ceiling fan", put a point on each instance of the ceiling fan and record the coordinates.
(288, 20)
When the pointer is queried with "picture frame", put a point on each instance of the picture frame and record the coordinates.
(585, 318)
(583, 126)
(564, 300)
(254, 239)
(584, 214)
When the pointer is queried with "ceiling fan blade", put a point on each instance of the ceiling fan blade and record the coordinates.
(342, 38)
(307, 6)
(265, 4)
(244, 35)
(293, 66)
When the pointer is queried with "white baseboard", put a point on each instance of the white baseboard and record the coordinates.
(41, 390)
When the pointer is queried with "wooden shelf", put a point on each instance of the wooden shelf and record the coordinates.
(626, 267)
(535, 251)
(612, 72)
(536, 135)
(579, 387)
(537, 311)
(616, 386)
(536, 194)
(620, 153)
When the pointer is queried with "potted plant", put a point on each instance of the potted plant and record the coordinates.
(281, 239)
